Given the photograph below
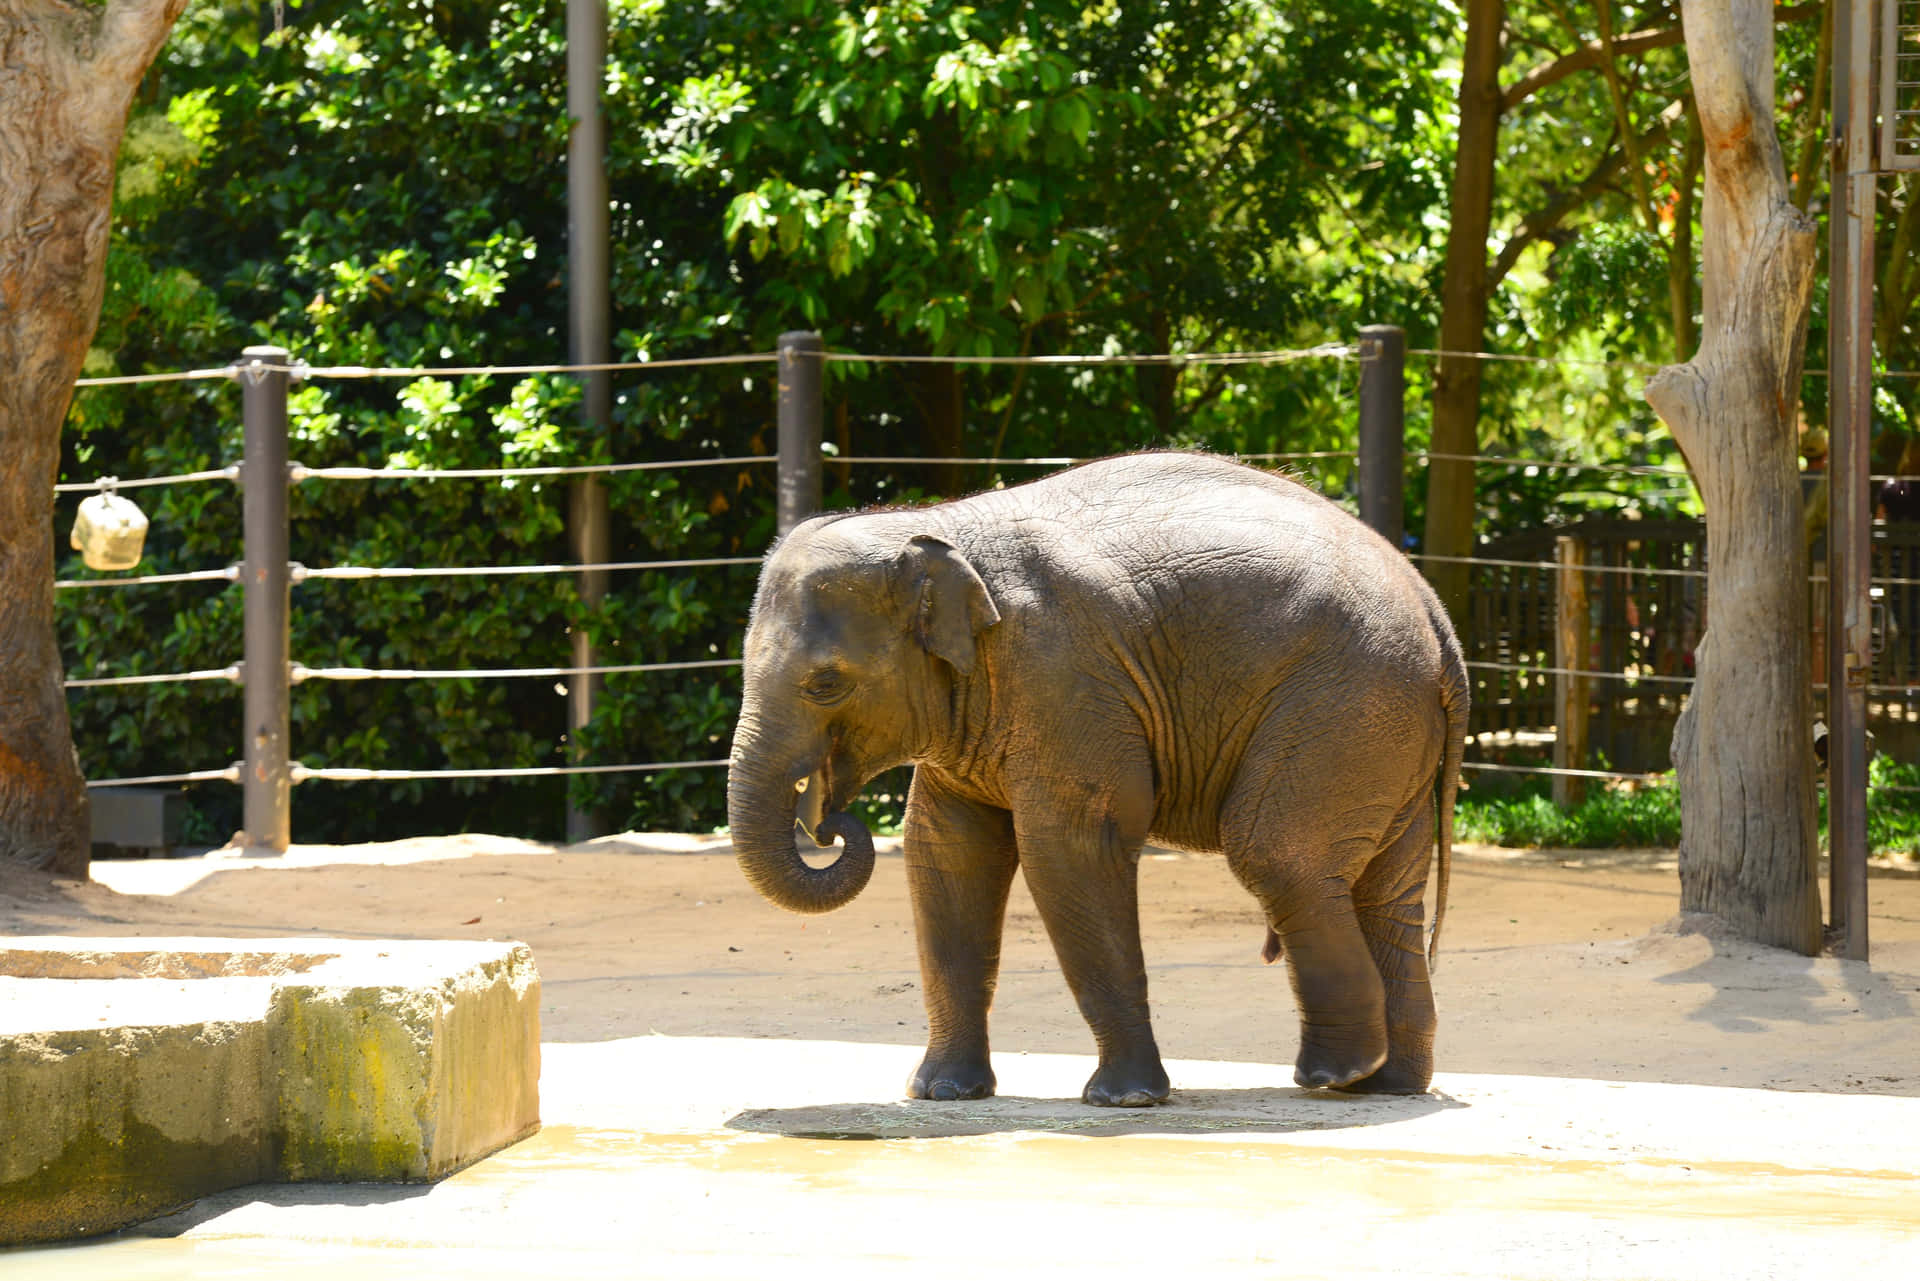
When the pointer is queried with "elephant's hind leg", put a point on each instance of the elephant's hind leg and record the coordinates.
(1389, 901)
(1302, 879)
(1343, 1028)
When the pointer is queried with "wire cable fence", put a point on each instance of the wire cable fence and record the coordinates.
(1522, 670)
(252, 373)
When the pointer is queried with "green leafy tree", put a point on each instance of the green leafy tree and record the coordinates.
(384, 188)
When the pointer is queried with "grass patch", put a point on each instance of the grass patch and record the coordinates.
(1521, 814)
(1524, 815)
(1893, 817)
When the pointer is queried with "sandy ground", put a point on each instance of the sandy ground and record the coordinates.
(1554, 964)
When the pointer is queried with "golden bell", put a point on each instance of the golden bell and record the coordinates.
(109, 532)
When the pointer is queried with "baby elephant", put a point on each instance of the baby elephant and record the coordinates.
(1165, 647)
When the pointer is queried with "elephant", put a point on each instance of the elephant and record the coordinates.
(1161, 647)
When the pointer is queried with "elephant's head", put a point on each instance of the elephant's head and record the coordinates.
(860, 628)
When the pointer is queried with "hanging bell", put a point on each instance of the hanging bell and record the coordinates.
(109, 531)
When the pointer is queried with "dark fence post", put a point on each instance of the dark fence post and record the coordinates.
(588, 286)
(802, 379)
(267, 779)
(1850, 221)
(1383, 429)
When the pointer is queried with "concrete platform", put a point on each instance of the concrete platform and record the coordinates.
(739, 1158)
(136, 1075)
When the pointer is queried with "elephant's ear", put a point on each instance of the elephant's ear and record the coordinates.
(952, 603)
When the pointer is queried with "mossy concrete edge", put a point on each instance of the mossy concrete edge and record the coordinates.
(364, 1061)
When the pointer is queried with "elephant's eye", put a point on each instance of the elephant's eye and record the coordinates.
(825, 686)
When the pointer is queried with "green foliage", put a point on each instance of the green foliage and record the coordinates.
(1591, 275)
(385, 187)
(1522, 815)
(1608, 817)
(912, 177)
(1893, 811)
(382, 188)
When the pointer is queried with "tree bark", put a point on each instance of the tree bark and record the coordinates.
(1680, 248)
(1463, 314)
(69, 76)
(943, 404)
(1743, 748)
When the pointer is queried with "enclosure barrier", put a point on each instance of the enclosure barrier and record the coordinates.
(1545, 655)
(267, 770)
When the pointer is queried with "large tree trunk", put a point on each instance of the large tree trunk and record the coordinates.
(1743, 748)
(1463, 315)
(67, 75)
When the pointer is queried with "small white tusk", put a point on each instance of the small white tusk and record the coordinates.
(801, 786)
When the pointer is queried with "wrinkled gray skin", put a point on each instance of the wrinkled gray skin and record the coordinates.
(1164, 647)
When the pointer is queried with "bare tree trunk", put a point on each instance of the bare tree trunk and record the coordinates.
(1680, 248)
(1463, 314)
(1742, 747)
(943, 402)
(1157, 383)
(67, 75)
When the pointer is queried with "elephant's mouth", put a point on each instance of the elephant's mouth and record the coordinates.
(811, 804)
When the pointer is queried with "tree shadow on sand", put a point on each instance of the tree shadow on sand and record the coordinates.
(1750, 982)
(1189, 1112)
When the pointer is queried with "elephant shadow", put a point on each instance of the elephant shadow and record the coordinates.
(1223, 1112)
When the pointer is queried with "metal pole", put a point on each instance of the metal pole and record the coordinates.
(1850, 406)
(588, 299)
(267, 776)
(1383, 429)
(802, 409)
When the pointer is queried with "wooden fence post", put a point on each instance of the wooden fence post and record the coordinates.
(1571, 650)
(1383, 429)
(266, 787)
(800, 413)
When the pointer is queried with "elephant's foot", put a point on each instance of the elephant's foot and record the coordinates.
(1391, 1079)
(947, 1077)
(1128, 1085)
(1402, 1073)
(1338, 1062)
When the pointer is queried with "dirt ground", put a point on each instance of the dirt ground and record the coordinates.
(1562, 964)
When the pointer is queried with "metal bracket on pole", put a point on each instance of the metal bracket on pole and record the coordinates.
(266, 777)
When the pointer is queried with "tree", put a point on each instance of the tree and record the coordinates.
(1463, 314)
(929, 178)
(1591, 151)
(1742, 750)
(71, 72)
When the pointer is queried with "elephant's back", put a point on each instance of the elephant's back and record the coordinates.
(1196, 543)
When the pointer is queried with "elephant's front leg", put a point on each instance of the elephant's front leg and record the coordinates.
(960, 865)
(1084, 874)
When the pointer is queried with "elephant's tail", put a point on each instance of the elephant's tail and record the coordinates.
(1456, 701)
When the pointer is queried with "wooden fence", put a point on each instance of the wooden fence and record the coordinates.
(1639, 628)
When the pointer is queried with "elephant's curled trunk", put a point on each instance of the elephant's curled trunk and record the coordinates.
(764, 843)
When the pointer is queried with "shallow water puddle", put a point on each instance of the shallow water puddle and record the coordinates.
(1223, 1172)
